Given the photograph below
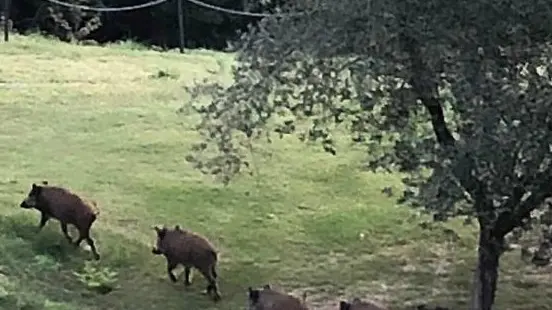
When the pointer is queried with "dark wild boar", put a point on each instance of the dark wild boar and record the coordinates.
(65, 206)
(270, 299)
(186, 248)
(357, 304)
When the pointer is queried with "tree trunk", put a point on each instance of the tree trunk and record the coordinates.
(486, 274)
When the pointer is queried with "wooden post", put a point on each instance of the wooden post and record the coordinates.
(180, 24)
(6, 16)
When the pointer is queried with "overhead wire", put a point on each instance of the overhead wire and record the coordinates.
(158, 2)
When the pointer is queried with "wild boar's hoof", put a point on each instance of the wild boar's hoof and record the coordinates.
(217, 297)
(97, 256)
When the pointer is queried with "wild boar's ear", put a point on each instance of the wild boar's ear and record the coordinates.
(356, 300)
(177, 228)
(158, 230)
(266, 287)
(343, 305)
(44, 182)
(36, 189)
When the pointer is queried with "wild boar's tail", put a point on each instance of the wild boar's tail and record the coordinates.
(214, 271)
(214, 254)
(95, 207)
(213, 266)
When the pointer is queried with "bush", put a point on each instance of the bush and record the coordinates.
(99, 279)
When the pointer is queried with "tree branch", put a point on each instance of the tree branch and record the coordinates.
(516, 210)
(440, 128)
(425, 87)
(423, 83)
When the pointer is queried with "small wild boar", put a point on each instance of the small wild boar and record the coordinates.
(357, 304)
(270, 299)
(65, 206)
(186, 248)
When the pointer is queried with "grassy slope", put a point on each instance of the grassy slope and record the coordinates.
(99, 121)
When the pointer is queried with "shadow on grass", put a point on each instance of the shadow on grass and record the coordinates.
(46, 242)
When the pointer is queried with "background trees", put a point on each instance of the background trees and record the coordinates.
(454, 94)
(155, 25)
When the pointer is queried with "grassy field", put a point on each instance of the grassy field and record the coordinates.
(103, 122)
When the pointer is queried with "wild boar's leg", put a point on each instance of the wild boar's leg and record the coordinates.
(64, 230)
(170, 267)
(43, 220)
(187, 273)
(85, 235)
(212, 287)
(93, 247)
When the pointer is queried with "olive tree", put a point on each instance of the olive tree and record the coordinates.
(455, 94)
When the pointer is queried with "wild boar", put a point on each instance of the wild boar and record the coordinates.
(357, 304)
(65, 206)
(270, 299)
(186, 248)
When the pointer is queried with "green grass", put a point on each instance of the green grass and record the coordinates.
(103, 122)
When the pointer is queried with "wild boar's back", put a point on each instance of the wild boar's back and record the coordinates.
(273, 300)
(189, 247)
(64, 205)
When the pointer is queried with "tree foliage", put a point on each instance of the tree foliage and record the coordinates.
(457, 94)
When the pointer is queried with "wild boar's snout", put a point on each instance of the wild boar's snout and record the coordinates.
(29, 202)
